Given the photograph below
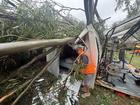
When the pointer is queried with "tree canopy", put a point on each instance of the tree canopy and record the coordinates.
(132, 7)
(38, 19)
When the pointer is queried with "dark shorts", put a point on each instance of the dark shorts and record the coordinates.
(88, 79)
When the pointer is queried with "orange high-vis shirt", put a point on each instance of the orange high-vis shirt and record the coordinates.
(90, 68)
(136, 51)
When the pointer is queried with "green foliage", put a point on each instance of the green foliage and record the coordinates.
(100, 28)
(62, 96)
(38, 20)
(135, 60)
(77, 75)
(131, 6)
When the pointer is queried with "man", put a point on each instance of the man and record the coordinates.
(88, 71)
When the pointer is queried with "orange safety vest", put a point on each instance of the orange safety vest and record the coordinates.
(89, 69)
(136, 51)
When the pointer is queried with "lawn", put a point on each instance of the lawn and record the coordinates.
(135, 60)
(103, 96)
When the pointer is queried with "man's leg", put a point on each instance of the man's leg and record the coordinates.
(86, 85)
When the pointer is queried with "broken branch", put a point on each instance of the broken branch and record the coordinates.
(37, 76)
(7, 16)
(13, 92)
(34, 60)
(28, 64)
(65, 7)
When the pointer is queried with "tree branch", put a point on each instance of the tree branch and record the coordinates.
(14, 92)
(7, 16)
(36, 77)
(94, 8)
(11, 3)
(15, 73)
(65, 7)
(60, 15)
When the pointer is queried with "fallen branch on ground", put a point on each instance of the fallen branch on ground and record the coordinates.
(37, 76)
(34, 60)
(14, 92)
(27, 65)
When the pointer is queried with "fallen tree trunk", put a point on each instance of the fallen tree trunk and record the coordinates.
(4, 98)
(13, 47)
(37, 76)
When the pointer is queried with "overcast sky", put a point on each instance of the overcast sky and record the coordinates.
(105, 9)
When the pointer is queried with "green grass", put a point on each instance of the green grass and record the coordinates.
(103, 96)
(135, 60)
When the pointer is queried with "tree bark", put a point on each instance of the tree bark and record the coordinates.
(14, 47)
